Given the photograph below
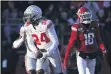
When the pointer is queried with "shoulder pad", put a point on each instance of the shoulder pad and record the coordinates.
(44, 22)
(48, 23)
(75, 27)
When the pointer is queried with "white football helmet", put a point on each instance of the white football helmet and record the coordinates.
(32, 13)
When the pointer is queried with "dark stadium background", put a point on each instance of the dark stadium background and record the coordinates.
(63, 15)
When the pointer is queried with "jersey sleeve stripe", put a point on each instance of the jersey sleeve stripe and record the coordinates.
(49, 25)
(74, 29)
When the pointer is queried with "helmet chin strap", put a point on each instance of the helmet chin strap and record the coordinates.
(85, 21)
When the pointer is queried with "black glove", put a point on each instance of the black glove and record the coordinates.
(43, 50)
(39, 54)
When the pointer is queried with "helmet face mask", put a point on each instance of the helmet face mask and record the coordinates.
(26, 18)
(84, 15)
(32, 14)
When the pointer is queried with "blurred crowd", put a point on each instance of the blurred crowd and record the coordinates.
(63, 15)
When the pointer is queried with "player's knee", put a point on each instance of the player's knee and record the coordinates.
(31, 72)
(41, 71)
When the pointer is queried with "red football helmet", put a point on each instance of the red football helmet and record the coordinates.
(84, 15)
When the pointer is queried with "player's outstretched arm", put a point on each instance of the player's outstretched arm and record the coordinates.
(99, 40)
(17, 43)
(73, 37)
(53, 37)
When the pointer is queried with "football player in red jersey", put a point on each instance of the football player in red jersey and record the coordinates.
(85, 35)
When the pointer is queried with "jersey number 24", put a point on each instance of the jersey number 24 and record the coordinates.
(43, 38)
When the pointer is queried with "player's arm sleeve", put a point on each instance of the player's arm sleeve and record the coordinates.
(99, 40)
(73, 37)
(17, 43)
(53, 37)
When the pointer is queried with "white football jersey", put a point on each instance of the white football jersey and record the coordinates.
(42, 36)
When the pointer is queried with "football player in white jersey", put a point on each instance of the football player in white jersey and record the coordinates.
(43, 34)
(32, 64)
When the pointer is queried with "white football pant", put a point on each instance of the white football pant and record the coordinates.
(85, 66)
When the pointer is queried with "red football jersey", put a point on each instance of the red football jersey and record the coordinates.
(89, 38)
